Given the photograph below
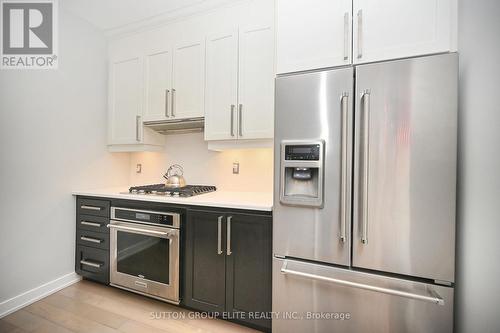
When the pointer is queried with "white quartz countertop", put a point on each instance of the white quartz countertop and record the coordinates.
(262, 201)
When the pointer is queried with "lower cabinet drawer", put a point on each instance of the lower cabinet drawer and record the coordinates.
(92, 263)
(92, 239)
(92, 207)
(92, 223)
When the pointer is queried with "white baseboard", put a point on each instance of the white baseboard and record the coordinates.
(35, 294)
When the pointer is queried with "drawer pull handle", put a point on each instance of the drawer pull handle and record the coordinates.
(90, 239)
(91, 264)
(90, 207)
(91, 224)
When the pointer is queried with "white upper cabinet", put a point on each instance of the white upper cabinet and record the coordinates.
(389, 29)
(239, 100)
(221, 86)
(188, 90)
(186, 69)
(125, 101)
(158, 85)
(256, 83)
(313, 34)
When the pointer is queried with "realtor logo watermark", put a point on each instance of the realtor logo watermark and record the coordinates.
(29, 34)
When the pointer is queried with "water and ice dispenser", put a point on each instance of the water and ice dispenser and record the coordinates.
(302, 173)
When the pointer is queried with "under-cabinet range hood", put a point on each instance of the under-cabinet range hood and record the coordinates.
(176, 126)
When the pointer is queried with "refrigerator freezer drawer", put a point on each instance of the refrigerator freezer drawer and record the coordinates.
(315, 298)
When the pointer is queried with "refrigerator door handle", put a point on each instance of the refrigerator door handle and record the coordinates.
(365, 102)
(434, 298)
(343, 167)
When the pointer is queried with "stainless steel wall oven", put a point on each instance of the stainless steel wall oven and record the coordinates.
(144, 252)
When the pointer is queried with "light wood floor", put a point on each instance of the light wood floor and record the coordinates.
(91, 307)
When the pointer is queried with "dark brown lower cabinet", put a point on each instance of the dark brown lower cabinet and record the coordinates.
(205, 265)
(228, 260)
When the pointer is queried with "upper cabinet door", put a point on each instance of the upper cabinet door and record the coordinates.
(125, 101)
(189, 78)
(158, 85)
(313, 34)
(256, 83)
(389, 29)
(221, 86)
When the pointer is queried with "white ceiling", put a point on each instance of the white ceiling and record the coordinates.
(113, 14)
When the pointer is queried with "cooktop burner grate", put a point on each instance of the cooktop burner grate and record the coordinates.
(161, 189)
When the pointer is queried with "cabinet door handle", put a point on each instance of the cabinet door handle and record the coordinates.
(90, 207)
(91, 263)
(343, 167)
(232, 119)
(360, 33)
(167, 92)
(90, 239)
(91, 224)
(228, 252)
(240, 119)
(219, 235)
(365, 99)
(346, 35)
(172, 110)
(137, 121)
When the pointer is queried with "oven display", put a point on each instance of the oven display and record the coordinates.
(142, 216)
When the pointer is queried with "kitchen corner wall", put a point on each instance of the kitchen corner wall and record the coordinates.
(52, 141)
(478, 228)
(202, 166)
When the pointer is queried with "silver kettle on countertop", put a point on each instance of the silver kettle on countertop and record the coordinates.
(174, 176)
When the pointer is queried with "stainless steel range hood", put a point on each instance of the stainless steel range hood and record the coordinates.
(176, 126)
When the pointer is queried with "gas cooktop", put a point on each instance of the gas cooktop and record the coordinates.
(161, 189)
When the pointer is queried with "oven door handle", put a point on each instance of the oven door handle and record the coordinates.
(145, 231)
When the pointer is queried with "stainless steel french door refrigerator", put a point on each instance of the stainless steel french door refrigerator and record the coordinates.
(364, 204)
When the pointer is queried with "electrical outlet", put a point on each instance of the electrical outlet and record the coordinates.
(236, 168)
(138, 168)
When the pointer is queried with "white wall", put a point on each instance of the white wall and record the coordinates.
(202, 166)
(478, 243)
(52, 141)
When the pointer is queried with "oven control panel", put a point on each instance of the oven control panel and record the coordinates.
(132, 215)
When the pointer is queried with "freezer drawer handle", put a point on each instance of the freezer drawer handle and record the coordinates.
(435, 298)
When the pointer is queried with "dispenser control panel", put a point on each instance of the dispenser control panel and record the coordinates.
(308, 152)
